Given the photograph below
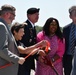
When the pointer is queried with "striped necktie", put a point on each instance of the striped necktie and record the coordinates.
(72, 39)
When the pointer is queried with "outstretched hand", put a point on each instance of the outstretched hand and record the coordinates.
(44, 43)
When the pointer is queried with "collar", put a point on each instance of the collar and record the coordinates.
(31, 23)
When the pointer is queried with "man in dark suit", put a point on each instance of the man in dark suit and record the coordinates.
(73, 72)
(69, 32)
(29, 39)
(9, 55)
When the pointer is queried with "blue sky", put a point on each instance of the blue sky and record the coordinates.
(48, 8)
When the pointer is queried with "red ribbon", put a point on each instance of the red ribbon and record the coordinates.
(46, 50)
(9, 64)
(47, 47)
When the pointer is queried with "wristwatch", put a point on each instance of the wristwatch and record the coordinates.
(53, 59)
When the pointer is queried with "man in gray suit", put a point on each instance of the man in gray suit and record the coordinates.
(9, 55)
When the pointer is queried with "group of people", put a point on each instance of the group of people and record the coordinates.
(12, 51)
(22, 40)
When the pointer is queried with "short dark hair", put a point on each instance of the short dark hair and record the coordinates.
(6, 8)
(32, 10)
(72, 9)
(17, 26)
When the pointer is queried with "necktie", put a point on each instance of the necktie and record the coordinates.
(72, 39)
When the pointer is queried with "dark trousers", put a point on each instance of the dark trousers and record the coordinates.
(24, 71)
(67, 64)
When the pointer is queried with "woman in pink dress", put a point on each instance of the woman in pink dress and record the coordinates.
(52, 33)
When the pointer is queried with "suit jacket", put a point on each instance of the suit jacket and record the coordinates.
(29, 39)
(66, 33)
(8, 50)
